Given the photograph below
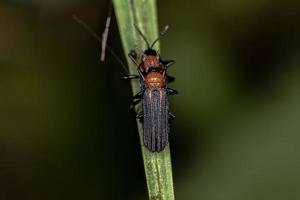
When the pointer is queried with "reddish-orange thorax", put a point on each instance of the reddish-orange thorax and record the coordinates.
(154, 79)
(152, 61)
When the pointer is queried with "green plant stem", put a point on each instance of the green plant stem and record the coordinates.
(143, 13)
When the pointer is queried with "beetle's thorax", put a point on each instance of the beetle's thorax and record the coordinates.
(152, 62)
(154, 80)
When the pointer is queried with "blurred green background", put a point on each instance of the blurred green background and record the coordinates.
(66, 131)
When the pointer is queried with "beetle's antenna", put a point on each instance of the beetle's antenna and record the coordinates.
(141, 74)
(160, 35)
(141, 34)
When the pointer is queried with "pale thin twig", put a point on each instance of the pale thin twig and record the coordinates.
(105, 33)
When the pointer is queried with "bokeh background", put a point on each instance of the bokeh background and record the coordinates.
(66, 131)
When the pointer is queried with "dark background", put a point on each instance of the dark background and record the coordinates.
(66, 131)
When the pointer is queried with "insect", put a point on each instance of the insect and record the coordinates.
(155, 115)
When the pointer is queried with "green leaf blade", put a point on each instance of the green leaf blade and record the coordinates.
(143, 13)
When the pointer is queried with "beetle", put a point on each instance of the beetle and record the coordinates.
(155, 115)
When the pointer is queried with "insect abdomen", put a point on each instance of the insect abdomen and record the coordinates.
(155, 122)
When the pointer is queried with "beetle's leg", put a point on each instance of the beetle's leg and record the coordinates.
(170, 79)
(136, 99)
(168, 63)
(134, 103)
(171, 91)
(129, 77)
(139, 95)
(140, 116)
(133, 56)
(171, 116)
